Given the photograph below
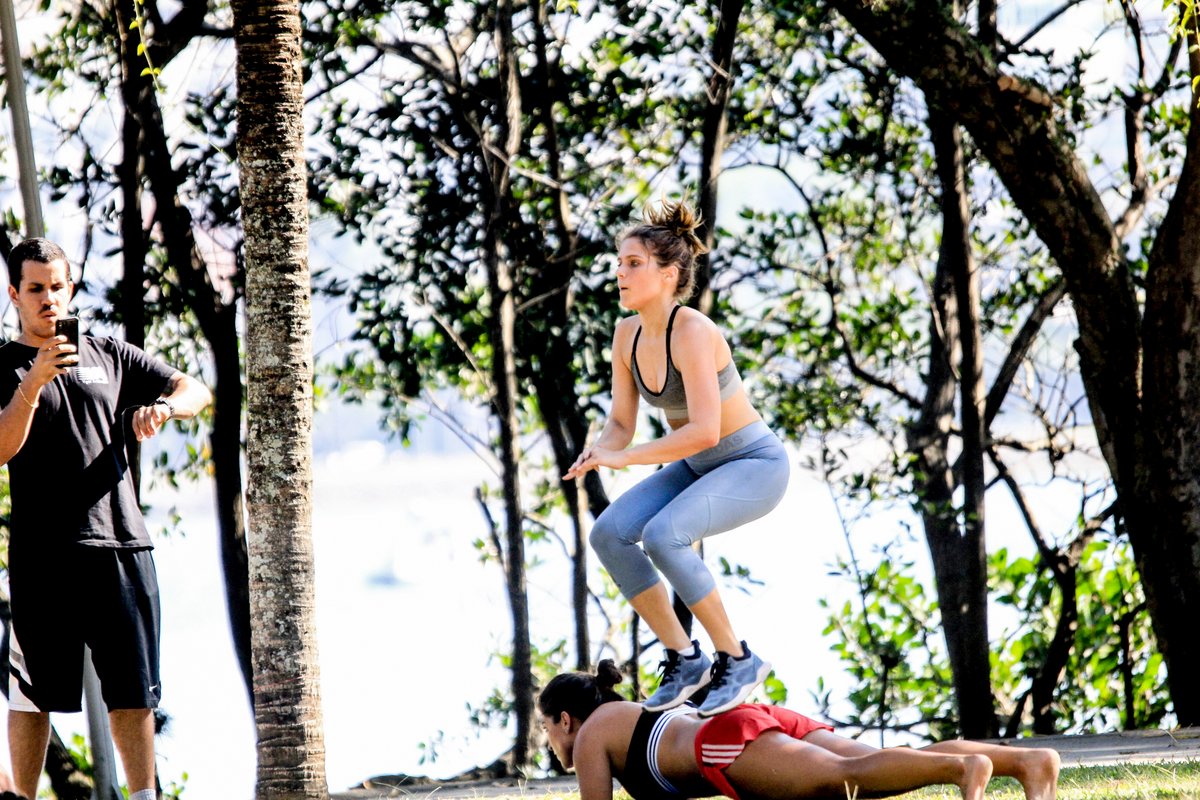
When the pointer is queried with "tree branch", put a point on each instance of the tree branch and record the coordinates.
(1019, 349)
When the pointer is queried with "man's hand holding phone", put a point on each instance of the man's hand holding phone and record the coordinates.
(68, 328)
(56, 355)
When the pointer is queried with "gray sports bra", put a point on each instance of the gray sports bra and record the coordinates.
(671, 398)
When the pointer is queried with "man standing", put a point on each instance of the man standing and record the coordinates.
(80, 567)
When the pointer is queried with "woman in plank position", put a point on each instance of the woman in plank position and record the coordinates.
(754, 751)
(724, 465)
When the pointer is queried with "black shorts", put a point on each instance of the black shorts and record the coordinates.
(106, 598)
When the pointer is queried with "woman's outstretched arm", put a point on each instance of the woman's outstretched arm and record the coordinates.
(592, 763)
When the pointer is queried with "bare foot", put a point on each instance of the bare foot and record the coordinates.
(977, 771)
(1039, 774)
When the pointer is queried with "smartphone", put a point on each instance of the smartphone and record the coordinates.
(69, 327)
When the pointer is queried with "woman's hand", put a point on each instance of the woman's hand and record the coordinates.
(595, 457)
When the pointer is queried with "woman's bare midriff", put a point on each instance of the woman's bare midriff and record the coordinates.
(736, 413)
(677, 756)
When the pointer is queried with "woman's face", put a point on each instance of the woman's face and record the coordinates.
(561, 733)
(640, 278)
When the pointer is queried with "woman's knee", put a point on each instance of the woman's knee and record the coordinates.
(671, 552)
(606, 538)
(663, 542)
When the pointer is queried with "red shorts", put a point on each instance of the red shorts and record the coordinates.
(722, 739)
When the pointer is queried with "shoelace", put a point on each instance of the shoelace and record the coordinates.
(720, 671)
(669, 666)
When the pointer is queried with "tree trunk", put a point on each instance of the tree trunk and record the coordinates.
(504, 378)
(218, 322)
(217, 319)
(713, 141)
(132, 305)
(966, 616)
(67, 781)
(270, 136)
(958, 571)
(553, 376)
(547, 383)
(1145, 423)
(505, 389)
(1166, 537)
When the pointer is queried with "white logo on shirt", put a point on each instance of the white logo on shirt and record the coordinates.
(90, 375)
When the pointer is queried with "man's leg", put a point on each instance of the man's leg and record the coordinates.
(133, 734)
(28, 735)
(125, 652)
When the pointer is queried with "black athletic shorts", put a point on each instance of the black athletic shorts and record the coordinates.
(106, 598)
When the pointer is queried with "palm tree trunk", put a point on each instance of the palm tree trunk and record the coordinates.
(291, 746)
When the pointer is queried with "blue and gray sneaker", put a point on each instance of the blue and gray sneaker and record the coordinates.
(682, 676)
(733, 679)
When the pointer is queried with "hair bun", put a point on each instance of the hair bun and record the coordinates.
(677, 217)
(680, 219)
(607, 675)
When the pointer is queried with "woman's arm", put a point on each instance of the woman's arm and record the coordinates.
(693, 351)
(622, 417)
(593, 765)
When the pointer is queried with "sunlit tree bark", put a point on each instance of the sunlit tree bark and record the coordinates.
(291, 747)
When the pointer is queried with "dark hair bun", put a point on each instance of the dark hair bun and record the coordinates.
(607, 675)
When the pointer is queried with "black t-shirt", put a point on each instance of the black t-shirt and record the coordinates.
(71, 481)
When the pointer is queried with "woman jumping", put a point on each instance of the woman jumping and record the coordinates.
(724, 465)
(754, 751)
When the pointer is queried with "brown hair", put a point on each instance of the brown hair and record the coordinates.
(580, 693)
(669, 233)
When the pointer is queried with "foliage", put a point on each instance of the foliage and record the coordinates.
(841, 325)
(889, 641)
(824, 272)
(1115, 677)
(77, 75)
(415, 155)
(828, 291)
(497, 708)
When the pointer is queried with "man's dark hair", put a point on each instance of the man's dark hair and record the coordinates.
(37, 249)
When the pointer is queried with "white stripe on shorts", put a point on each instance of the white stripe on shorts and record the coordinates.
(17, 701)
(721, 754)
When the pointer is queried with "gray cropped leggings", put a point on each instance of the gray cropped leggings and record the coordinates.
(737, 480)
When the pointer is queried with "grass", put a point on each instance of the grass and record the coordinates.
(1117, 782)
